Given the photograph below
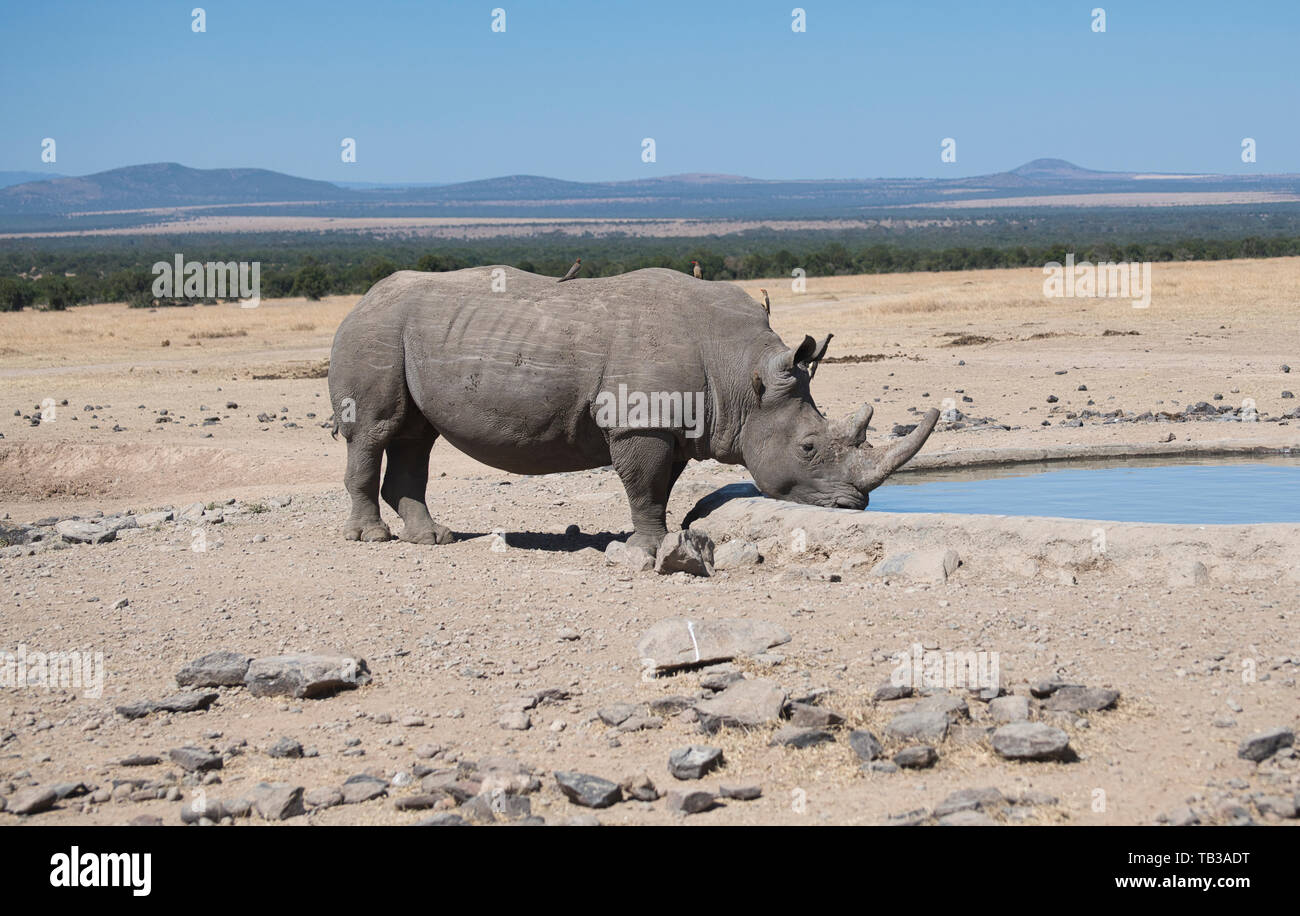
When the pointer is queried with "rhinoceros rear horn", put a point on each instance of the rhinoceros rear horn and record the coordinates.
(853, 428)
(883, 462)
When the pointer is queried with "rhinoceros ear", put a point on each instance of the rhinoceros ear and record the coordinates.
(817, 355)
(804, 353)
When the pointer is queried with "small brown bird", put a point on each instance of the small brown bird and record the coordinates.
(573, 271)
(767, 303)
(699, 274)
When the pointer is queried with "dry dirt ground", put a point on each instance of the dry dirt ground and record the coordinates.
(452, 634)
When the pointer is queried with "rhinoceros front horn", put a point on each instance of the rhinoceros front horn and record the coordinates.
(876, 465)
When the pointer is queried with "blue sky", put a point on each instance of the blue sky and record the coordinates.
(571, 87)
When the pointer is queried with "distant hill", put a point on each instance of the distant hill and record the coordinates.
(99, 199)
(163, 184)
(11, 178)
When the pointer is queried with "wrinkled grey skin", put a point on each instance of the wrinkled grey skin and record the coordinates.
(511, 378)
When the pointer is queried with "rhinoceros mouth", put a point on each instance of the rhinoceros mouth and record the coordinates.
(849, 502)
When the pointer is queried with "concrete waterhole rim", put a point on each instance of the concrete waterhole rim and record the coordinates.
(1022, 548)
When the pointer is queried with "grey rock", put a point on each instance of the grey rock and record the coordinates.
(678, 642)
(277, 801)
(619, 554)
(445, 819)
(916, 757)
(140, 760)
(1009, 709)
(216, 669)
(588, 791)
(149, 519)
(195, 759)
(420, 802)
(1081, 699)
(1276, 804)
(323, 797)
(685, 551)
(1048, 686)
(77, 532)
(865, 745)
(740, 793)
(305, 676)
(745, 704)
(886, 692)
(616, 714)
(734, 554)
(640, 787)
(1263, 745)
(694, 762)
(31, 800)
(1184, 817)
(970, 800)
(926, 726)
(691, 802)
(1031, 741)
(807, 715)
(954, 708)
(800, 737)
(286, 748)
(934, 565)
(362, 788)
(189, 701)
(966, 819)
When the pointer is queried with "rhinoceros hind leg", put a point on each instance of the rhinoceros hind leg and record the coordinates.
(644, 462)
(405, 481)
(362, 482)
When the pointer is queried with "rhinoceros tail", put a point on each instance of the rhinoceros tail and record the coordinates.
(334, 433)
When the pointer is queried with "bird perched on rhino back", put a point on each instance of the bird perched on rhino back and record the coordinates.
(767, 303)
(695, 269)
(573, 271)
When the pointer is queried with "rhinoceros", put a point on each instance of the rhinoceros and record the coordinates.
(536, 377)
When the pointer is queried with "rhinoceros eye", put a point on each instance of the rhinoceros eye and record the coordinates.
(808, 446)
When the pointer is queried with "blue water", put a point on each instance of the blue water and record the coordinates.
(1221, 493)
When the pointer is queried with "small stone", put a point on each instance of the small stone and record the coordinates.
(685, 551)
(797, 737)
(78, 532)
(305, 676)
(967, 819)
(640, 788)
(195, 759)
(807, 715)
(740, 793)
(1263, 745)
(691, 802)
(865, 745)
(362, 788)
(32, 800)
(618, 553)
(1009, 709)
(969, 800)
(616, 714)
(323, 797)
(916, 757)
(746, 704)
(734, 554)
(693, 762)
(934, 565)
(679, 642)
(277, 801)
(285, 748)
(927, 726)
(1031, 741)
(216, 669)
(515, 721)
(588, 791)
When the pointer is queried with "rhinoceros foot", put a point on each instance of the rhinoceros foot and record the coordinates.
(371, 532)
(435, 534)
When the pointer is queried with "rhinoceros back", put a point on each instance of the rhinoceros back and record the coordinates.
(500, 360)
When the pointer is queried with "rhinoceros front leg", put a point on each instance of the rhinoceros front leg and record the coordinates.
(644, 462)
(405, 482)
